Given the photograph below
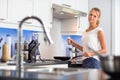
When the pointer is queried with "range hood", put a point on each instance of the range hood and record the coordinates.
(62, 12)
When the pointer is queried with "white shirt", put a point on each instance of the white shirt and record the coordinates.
(90, 39)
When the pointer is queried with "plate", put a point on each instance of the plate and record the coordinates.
(63, 58)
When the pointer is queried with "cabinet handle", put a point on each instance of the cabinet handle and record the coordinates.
(25, 22)
(66, 5)
(2, 19)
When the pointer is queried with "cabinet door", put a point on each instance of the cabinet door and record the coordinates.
(69, 3)
(66, 3)
(42, 9)
(18, 9)
(59, 2)
(82, 5)
(3, 9)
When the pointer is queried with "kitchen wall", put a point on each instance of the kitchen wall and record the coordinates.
(57, 48)
(60, 46)
(106, 19)
(27, 36)
(109, 22)
(116, 26)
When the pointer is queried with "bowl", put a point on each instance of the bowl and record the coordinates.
(63, 58)
(111, 65)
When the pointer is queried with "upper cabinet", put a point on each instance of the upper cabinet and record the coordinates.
(69, 3)
(18, 9)
(13, 11)
(65, 3)
(81, 5)
(42, 9)
(3, 10)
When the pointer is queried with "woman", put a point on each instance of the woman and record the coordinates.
(93, 37)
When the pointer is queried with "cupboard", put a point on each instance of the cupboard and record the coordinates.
(3, 10)
(13, 11)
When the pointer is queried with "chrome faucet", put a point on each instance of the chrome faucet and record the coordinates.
(19, 63)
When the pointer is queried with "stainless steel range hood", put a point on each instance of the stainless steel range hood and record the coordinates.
(62, 12)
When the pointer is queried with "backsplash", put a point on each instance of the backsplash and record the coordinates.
(60, 46)
(27, 36)
(76, 38)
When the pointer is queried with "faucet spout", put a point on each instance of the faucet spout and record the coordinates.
(19, 63)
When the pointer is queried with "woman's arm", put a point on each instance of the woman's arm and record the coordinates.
(102, 42)
(73, 43)
(103, 49)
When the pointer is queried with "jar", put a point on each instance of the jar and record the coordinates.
(6, 53)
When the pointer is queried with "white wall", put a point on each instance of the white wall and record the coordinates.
(116, 26)
(106, 19)
(56, 49)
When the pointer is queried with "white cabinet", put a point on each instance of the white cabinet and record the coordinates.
(18, 9)
(82, 5)
(59, 2)
(42, 9)
(69, 3)
(3, 10)
(65, 3)
(13, 11)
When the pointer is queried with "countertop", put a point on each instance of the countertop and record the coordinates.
(82, 74)
(12, 64)
(50, 73)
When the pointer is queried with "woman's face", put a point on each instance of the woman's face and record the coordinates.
(93, 16)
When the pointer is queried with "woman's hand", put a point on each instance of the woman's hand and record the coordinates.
(73, 43)
(87, 54)
(70, 41)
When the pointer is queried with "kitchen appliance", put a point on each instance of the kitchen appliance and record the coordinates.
(63, 12)
(33, 50)
(63, 58)
(110, 64)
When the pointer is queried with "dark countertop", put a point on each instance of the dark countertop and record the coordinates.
(82, 74)
(57, 74)
(49, 62)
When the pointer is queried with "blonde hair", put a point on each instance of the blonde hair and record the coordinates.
(99, 11)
